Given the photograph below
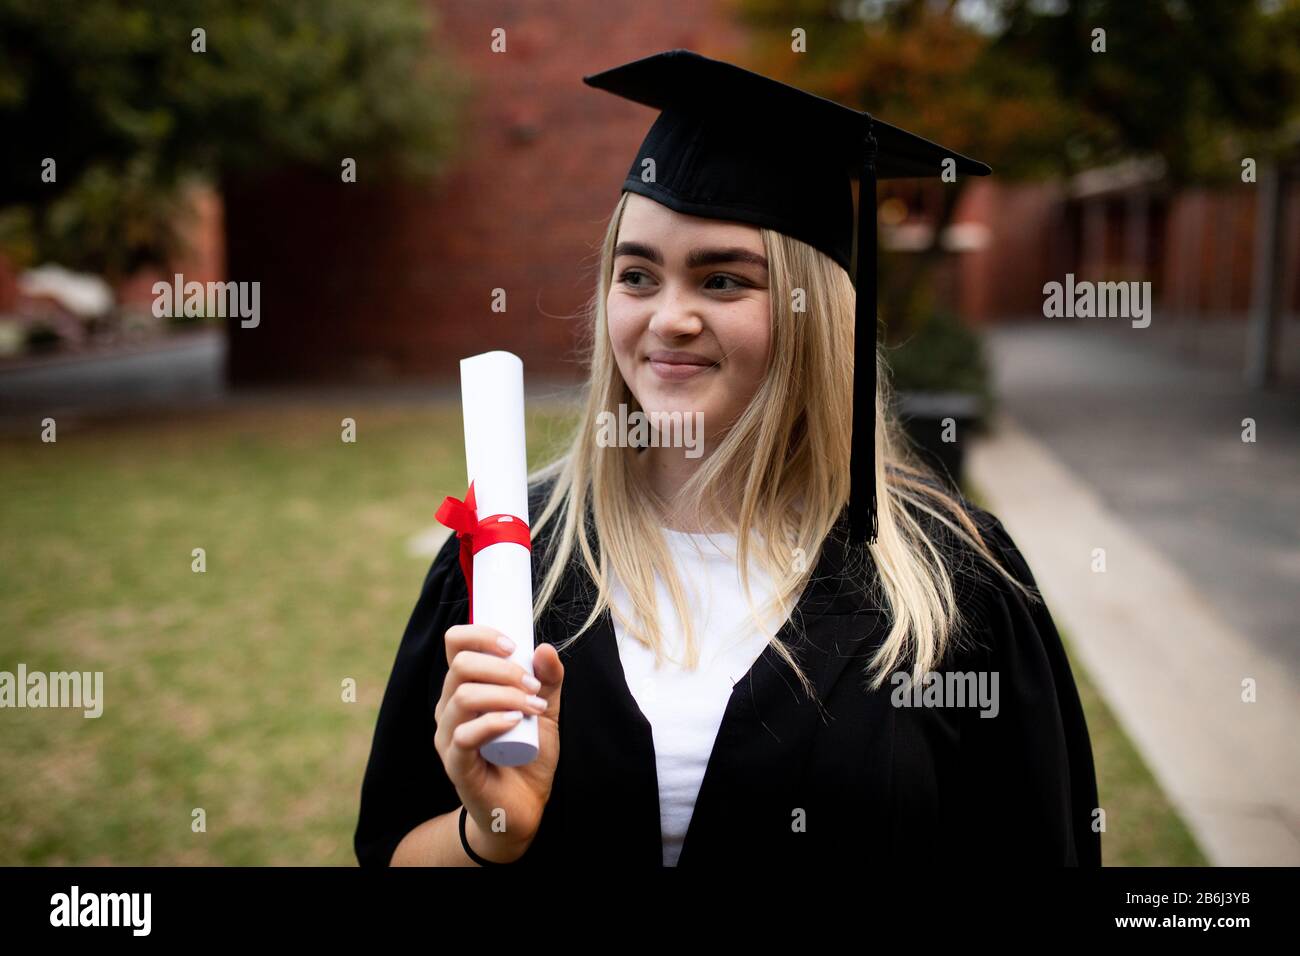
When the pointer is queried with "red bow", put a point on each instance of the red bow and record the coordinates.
(477, 533)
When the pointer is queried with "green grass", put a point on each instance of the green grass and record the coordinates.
(223, 690)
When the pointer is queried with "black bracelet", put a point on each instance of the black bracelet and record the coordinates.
(465, 843)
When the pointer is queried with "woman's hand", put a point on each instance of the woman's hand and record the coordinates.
(483, 685)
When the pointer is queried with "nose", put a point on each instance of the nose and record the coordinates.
(675, 314)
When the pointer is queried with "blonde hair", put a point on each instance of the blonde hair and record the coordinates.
(784, 462)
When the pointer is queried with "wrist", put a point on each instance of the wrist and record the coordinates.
(495, 847)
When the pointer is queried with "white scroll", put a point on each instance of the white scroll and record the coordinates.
(492, 396)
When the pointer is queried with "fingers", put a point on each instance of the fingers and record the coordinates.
(475, 637)
(475, 733)
(473, 666)
(548, 669)
(462, 756)
(471, 699)
(482, 678)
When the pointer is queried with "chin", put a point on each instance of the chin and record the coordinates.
(681, 399)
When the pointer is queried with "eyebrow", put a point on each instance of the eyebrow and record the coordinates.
(695, 258)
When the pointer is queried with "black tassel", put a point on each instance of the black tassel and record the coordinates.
(863, 518)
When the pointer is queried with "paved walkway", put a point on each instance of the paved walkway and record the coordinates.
(1106, 445)
(186, 372)
(179, 372)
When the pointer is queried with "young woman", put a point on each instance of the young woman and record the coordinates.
(722, 676)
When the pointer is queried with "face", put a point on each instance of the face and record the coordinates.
(689, 312)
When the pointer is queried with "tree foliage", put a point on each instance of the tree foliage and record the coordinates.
(116, 93)
(1023, 86)
(1019, 84)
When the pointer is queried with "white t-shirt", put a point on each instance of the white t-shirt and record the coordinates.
(685, 707)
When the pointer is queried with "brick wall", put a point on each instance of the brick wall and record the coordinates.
(1199, 252)
(1209, 264)
(1027, 247)
(377, 280)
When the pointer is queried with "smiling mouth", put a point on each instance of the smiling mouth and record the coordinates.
(678, 370)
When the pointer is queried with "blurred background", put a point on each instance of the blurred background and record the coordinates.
(392, 172)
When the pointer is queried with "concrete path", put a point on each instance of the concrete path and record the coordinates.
(188, 372)
(1157, 435)
(1123, 455)
(179, 372)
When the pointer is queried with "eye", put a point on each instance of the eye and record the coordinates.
(635, 278)
(736, 283)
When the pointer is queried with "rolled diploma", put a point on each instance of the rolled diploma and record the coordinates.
(492, 395)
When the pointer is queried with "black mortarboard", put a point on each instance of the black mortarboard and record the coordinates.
(733, 144)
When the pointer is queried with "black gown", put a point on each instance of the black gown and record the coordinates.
(858, 780)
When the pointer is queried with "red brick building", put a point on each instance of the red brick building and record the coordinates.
(368, 280)
(1195, 246)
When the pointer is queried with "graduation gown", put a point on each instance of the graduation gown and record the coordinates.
(856, 780)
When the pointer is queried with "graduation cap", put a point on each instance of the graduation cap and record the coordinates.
(735, 145)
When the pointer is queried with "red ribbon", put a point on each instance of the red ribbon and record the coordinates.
(477, 533)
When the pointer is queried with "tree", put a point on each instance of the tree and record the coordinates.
(130, 100)
(1020, 85)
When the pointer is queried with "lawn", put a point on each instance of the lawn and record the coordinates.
(224, 689)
